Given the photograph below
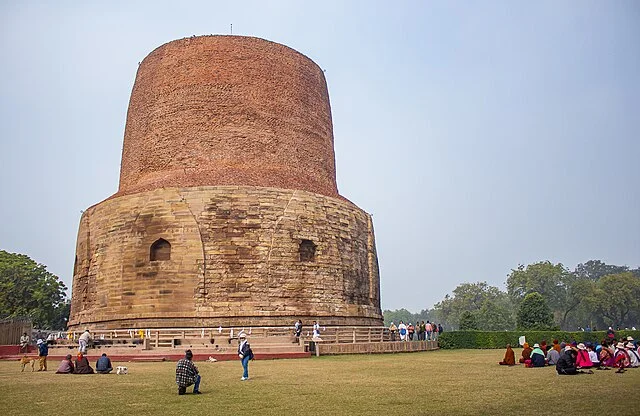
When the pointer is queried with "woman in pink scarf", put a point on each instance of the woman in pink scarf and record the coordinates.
(583, 360)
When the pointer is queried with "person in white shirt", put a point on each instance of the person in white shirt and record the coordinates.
(24, 343)
(83, 341)
(633, 355)
(593, 356)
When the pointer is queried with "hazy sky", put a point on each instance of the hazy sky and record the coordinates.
(480, 135)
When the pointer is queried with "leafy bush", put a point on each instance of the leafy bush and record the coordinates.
(499, 339)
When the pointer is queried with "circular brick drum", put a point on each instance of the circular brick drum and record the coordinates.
(228, 110)
(227, 211)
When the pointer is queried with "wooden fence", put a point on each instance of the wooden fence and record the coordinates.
(169, 337)
(12, 329)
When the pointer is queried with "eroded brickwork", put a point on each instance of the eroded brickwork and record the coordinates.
(234, 260)
(227, 170)
(228, 110)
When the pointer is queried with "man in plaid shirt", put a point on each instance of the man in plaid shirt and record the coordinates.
(187, 374)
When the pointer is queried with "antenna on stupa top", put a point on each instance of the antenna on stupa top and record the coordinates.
(232, 28)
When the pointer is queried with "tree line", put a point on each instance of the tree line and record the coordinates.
(28, 290)
(542, 296)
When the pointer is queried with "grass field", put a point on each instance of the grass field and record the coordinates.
(459, 382)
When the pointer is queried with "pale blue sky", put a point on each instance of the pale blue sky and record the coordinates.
(480, 135)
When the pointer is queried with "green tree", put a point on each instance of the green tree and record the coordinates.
(595, 269)
(470, 297)
(617, 298)
(534, 313)
(404, 315)
(548, 279)
(495, 316)
(468, 321)
(28, 289)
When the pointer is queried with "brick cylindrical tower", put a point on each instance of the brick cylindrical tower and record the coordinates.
(228, 110)
(227, 211)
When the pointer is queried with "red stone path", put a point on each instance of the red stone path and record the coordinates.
(11, 353)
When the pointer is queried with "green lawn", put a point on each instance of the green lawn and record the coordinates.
(462, 382)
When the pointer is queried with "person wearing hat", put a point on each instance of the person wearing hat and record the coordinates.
(606, 355)
(187, 374)
(245, 353)
(43, 351)
(66, 366)
(634, 360)
(582, 359)
(537, 357)
(621, 358)
(566, 365)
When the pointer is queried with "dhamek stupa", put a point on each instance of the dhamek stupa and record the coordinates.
(227, 212)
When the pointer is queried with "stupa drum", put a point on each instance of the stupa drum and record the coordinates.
(227, 211)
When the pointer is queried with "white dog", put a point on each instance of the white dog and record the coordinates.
(122, 370)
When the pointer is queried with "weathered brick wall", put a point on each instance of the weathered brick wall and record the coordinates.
(234, 260)
(228, 110)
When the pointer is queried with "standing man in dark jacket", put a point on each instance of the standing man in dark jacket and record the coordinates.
(43, 351)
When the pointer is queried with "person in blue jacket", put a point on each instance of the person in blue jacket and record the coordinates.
(43, 351)
(103, 365)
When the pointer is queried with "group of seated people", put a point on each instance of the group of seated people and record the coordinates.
(81, 365)
(572, 358)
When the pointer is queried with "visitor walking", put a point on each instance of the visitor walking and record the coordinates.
(393, 331)
(245, 354)
(43, 351)
(402, 329)
(298, 328)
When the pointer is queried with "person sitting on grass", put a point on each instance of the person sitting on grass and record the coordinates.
(621, 358)
(582, 359)
(537, 357)
(593, 356)
(187, 374)
(552, 356)
(82, 365)
(526, 353)
(557, 347)
(566, 365)
(103, 365)
(509, 357)
(544, 347)
(634, 360)
(66, 366)
(606, 355)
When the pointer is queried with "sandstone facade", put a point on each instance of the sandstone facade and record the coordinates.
(235, 260)
(228, 213)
